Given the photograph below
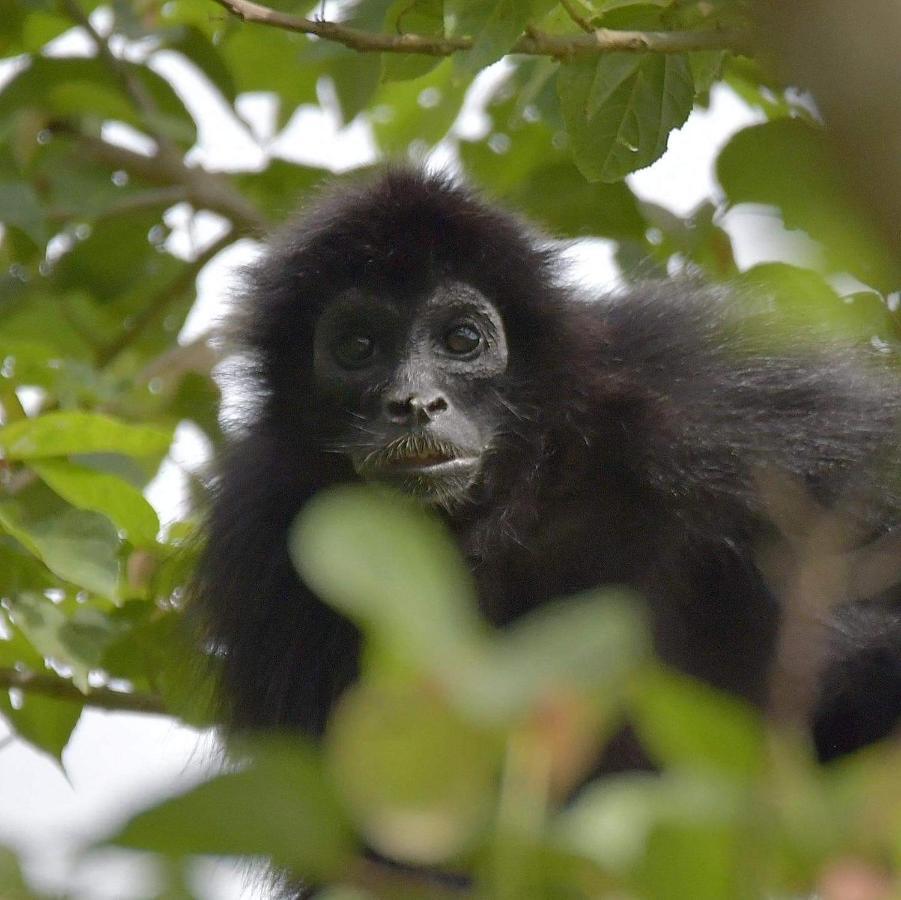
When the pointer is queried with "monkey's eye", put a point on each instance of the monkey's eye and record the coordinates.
(462, 340)
(354, 349)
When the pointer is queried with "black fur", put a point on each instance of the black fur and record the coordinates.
(634, 433)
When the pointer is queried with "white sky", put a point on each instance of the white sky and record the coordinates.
(114, 762)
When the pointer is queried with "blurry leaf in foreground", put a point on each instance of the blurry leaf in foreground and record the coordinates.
(383, 563)
(687, 724)
(12, 884)
(395, 571)
(612, 820)
(279, 805)
(419, 780)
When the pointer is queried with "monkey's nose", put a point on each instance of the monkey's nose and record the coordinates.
(414, 409)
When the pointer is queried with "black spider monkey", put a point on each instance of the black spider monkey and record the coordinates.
(403, 330)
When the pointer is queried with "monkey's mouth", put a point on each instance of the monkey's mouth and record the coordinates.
(414, 455)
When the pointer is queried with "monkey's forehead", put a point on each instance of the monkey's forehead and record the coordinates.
(438, 294)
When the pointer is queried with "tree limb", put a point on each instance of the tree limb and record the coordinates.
(61, 689)
(535, 43)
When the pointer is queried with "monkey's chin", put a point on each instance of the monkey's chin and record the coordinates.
(445, 484)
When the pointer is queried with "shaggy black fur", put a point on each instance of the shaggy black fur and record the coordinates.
(634, 431)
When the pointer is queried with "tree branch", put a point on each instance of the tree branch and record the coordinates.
(61, 689)
(535, 43)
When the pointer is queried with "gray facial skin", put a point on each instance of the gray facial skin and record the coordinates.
(411, 384)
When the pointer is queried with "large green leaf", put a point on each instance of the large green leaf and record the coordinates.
(101, 492)
(620, 108)
(278, 805)
(80, 547)
(787, 163)
(65, 433)
(63, 87)
(381, 562)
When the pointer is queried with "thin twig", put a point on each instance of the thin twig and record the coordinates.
(574, 14)
(61, 689)
(534, 43)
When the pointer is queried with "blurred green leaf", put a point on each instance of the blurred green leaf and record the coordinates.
(63, 87)
(44, 722)
(420, 110)
(65, 433)
(278, 804)
(687, 724)
(20, 206)
(381, 561)
(419, 781)
(786, 163)
(617, 820)
(620, 108)
(12, 884)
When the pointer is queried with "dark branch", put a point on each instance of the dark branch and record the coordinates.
(61, 689)
(535, 43)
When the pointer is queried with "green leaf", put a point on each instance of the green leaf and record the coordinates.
(45, 722)
(495, 27)
(620, 108)
(12, 884)
(425, 17)
(280, 187)
(101, 492)
(193, 44)
(616, 821)
(786, 163)
(77, 641)
(280, 805)
(63, 87)
(685, 723)
(418, 780)
(80, 547)
(379, 560)
(64, 433)
(19, 206)
(419, 110)
(590, 642)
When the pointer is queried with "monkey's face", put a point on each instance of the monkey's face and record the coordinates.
(408, 388)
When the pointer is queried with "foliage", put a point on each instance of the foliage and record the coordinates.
(470, 748)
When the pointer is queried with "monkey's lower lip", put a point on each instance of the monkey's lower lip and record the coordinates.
(434, 464)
